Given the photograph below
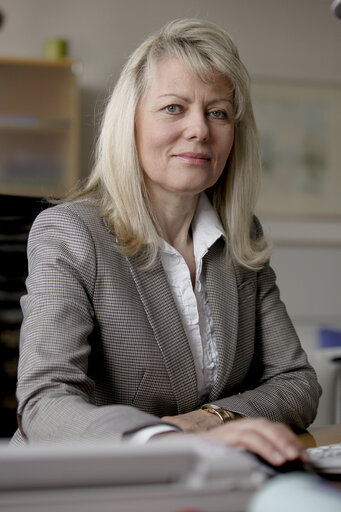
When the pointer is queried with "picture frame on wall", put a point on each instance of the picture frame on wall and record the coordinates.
(299, 126)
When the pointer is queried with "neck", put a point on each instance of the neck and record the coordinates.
(174, 215)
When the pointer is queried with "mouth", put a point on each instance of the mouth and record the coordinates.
(193, 158)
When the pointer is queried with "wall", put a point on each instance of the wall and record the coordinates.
(282, 39)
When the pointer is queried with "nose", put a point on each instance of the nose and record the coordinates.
(196, 127)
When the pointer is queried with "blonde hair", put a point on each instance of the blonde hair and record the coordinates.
(116, 182)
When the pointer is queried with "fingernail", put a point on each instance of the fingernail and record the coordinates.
(278, 457)
(292, 453)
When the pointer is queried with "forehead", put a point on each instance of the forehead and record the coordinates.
(170, 75)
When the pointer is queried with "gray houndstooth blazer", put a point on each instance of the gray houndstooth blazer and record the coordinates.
(103, 349)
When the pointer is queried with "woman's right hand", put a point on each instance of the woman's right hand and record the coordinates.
(275, 442)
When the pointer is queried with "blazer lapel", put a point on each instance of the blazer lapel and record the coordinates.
(223, 298)
(163, 316)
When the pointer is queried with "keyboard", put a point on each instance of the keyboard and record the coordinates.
(326, 459)
(168, 475)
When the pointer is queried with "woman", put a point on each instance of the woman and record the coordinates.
(151, 305)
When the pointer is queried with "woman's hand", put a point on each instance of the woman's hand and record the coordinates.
(274, 442)
(194, 422)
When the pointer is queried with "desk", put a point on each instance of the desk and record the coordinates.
(319, 436)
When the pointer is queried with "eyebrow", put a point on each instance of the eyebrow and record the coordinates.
(184, 98)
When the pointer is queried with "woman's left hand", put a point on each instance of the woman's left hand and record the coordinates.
(275, 442)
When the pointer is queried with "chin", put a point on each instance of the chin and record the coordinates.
(190, 191)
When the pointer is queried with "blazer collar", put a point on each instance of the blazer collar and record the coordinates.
(223, 297)
(163, 316)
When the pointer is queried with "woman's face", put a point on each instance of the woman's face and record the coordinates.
(184, 130)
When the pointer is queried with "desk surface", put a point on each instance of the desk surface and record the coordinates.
(319, 436)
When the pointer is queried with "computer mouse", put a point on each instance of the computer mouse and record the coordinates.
(287, 467)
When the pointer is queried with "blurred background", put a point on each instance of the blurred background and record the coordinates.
(58, 61)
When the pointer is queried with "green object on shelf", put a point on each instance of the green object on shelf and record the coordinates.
(55, 48)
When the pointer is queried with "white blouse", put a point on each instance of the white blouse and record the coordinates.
(193, 305)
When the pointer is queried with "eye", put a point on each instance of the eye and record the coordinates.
(218, 114)
(173, 109)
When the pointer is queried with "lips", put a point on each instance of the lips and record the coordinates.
(193, 158)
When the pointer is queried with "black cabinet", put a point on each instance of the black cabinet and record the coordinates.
(16, 216)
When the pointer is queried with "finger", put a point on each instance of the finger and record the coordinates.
(257, 443)
(274, 442)
(250, 439)
(285, 441)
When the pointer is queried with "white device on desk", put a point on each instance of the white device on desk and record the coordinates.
(326, 459)
(165, 475)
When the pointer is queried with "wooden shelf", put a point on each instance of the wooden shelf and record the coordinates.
(37, 62)
(39, 126)
(36, 125)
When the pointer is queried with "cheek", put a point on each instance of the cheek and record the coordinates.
(147, 138)
(152, 149)
(162, 135)
(153, 138)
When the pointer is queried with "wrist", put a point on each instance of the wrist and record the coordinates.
(222, 414)
(211, 420)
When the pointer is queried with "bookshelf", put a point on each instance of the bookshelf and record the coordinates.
(39, 126)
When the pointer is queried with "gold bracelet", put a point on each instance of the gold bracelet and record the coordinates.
(223, 414)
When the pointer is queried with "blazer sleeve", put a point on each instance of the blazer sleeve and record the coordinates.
(281, 384)
(55, 393)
